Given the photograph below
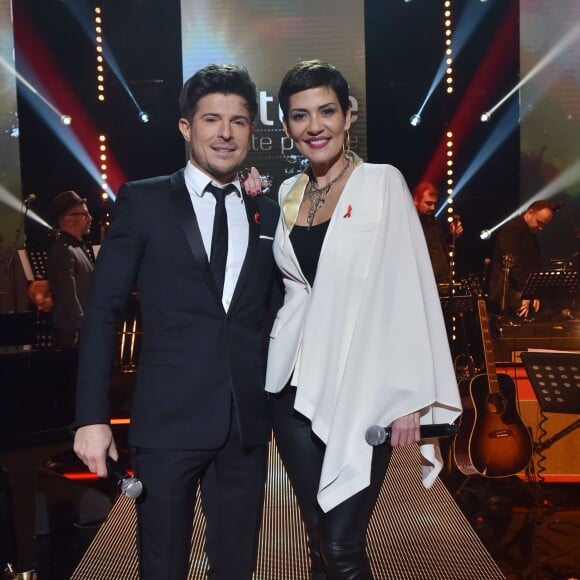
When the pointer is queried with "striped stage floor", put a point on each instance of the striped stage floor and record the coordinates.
(415, 534)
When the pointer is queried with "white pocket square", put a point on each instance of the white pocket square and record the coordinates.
(266, 237)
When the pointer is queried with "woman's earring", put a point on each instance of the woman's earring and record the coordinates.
(346, 143)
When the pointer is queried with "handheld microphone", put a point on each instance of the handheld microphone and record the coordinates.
(29, 199)
(129, 485)
(376, 435)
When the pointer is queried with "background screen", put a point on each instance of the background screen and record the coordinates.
(267, 38)
(550, 115)
(9, 153)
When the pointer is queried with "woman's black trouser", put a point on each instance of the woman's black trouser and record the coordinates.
(337, 538)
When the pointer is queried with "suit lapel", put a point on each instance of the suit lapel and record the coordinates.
(188, 222)
(253, 215)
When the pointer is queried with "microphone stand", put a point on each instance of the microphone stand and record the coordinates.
(507, 262)
(452, 254)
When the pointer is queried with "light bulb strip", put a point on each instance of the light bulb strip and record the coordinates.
(100, 93)
(449, 144)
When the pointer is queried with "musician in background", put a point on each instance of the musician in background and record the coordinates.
(437, 235)
(517, 254)
(69, 267)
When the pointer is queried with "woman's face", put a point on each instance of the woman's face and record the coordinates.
(317, 125)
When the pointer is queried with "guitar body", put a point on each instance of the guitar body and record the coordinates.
(492, 440)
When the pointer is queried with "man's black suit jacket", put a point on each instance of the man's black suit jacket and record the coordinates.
(69, 268)
(194, 357)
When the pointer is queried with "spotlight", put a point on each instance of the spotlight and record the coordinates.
(485, 234)
(485, 117)
(65, 119)
(143, 117)
(415, 119)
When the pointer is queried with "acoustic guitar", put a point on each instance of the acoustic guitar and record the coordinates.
(492, 440)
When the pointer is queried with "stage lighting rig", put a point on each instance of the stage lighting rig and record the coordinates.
(485, 117)
(415, 119)
(143, 117)
(66, 119)
(485, 234)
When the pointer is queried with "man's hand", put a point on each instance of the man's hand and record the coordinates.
(405, 430)
(92, 444)
(524, 309)
(456, 228)
(39, 294)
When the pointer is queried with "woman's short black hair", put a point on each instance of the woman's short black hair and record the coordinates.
(309, 74)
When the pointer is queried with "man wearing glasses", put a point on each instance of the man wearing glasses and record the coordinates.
(516, 256)
(69, 267)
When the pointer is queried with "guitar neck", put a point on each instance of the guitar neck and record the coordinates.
(487, 346)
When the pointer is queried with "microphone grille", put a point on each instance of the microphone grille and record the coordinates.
(375, 435)
(132, 487)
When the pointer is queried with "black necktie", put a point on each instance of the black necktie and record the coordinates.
(219, 239)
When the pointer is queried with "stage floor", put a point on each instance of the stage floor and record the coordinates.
(414, 534)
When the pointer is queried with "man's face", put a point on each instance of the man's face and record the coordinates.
(538, 220)
(426, 205)
(77, 221)
(218, 135)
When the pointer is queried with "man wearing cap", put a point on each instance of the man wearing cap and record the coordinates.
(69, 267)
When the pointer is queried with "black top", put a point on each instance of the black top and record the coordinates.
(307, 243)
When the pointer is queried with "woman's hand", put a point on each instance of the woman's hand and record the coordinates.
(405, 430)
(251, 181)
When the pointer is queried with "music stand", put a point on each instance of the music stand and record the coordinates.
(34, 263)
(555, 378)
(545, 284)
(454, 304)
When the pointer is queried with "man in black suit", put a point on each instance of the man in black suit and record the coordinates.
(199, 400)
(69, 267)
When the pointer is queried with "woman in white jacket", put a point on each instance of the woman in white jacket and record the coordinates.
(360, 339)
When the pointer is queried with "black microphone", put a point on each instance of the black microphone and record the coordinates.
(29, 199)
(376, 435)
(130, 486)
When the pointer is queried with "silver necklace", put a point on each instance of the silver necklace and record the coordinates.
(317, 195)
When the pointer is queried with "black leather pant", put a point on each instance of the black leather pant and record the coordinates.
(336, 539)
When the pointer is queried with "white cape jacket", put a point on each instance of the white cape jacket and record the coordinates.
(367, 344)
